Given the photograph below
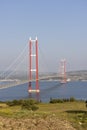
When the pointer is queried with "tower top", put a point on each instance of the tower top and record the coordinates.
(30, 38)
(36, 37)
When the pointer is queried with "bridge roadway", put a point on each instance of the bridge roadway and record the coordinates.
(20, 82)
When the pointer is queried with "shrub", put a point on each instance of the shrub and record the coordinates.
(14, 102)
(66, 100)
(86, 103)
(29, 105)
(71, 99)
(56, 101)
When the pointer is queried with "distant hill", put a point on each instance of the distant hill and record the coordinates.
(73, 75)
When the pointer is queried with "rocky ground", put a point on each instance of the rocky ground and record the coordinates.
(38, 123)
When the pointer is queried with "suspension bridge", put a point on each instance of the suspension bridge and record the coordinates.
(30, 52)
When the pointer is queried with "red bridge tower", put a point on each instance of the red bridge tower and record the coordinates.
(63, 71)
(33, 64)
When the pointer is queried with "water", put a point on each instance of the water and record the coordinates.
(48, 89)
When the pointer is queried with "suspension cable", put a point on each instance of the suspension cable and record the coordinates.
(17, 66)
(14, 62)
(44, 59)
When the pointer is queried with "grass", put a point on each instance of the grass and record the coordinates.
(74, 112)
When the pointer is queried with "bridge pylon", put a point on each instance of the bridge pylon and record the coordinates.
(33, 65)
(63, 71)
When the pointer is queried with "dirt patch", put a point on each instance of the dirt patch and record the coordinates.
(48, 123)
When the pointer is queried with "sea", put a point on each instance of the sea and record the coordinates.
(48, 90)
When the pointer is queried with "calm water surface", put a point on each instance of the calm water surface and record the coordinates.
(48, 89)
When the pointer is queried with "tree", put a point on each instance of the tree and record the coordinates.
(86, 103)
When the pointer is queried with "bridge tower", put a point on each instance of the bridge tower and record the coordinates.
(33, 65)
(63, 71)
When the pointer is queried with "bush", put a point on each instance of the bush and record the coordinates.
(56, 101)
(29, 105)
(71, 99)
(14, 102)
(86, 103)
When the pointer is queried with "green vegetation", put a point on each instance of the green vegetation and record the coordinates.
(71, 99)
(86, 103)
(29, 105)
(25, 104)
(64, 109)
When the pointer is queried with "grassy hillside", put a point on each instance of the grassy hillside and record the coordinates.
(63, 115)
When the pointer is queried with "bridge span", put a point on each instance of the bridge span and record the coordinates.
(12, 83)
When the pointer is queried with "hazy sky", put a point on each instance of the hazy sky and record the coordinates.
(60, 25)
